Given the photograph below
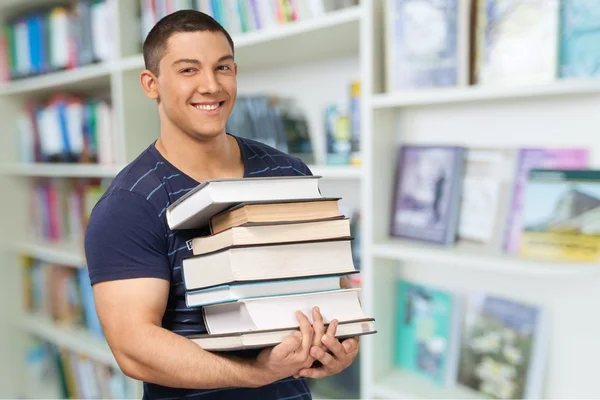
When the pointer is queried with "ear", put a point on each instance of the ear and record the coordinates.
(149, 84)
(235, 69)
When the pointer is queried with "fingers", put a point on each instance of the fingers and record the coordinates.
(329, 365)
(318, 326)
(306, 330)
(350, 345)
(333, 345)
(332, 328)
(287, 346)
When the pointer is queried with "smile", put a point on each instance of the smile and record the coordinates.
(207, 107)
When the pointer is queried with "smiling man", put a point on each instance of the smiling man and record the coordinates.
(134, 260)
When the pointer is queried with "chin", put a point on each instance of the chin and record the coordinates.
(204, 134)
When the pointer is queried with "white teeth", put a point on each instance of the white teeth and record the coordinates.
(207, 107)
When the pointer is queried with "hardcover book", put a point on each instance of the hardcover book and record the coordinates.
(561, 215)
(428, 332)
(503, 348)
(427, 193)
(549, 158)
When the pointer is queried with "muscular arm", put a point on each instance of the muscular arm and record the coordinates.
(130, 312)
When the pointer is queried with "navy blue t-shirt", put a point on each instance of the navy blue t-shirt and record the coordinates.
(128, 237)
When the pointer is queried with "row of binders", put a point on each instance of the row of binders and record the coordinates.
(276, 245)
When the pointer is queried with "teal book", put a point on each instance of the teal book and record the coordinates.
(579, 38)
(427, 338)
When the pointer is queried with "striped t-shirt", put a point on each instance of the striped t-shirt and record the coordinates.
(128, 237)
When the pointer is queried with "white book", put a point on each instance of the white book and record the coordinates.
(279, 312)
(264, 338)
(235, 292)
(195, 208)
(266, 262)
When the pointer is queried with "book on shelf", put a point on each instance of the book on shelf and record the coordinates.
(541, 158)
(503, 350)
(505, 33)
(486, 195)
(561, 215)
(68, 129)
(250, 278)
(67, 374)
(427, 192)
(427, 44)
(194, 209)
(56, 37)
(427, 331)
(493, 345)
(241, 16)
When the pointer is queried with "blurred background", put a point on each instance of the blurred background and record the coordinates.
(461, 136)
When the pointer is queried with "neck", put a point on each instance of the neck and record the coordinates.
(215, 157)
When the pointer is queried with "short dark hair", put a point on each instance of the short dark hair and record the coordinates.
(155, 43)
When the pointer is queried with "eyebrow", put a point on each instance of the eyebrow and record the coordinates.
(196, 61)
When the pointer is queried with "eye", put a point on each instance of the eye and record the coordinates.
(223, 67)
(188, 70)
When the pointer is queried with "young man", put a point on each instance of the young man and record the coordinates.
(134, 260)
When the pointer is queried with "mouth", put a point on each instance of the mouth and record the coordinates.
(212, 107)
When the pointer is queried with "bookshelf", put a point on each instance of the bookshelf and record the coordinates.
(350, 45)
(282, 50)
(557, 114)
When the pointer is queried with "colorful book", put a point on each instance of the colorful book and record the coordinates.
(530, 158)
(561, 215)
(427, 326)
(579, 37)
(503, 348)
(427, 193)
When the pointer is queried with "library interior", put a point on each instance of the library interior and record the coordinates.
(425, 138)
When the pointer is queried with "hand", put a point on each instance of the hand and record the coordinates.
(319, 330)
(289, 356)
(341, 356)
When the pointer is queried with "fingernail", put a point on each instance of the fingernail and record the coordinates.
(325, 339)
(347, 346)
(314, 352)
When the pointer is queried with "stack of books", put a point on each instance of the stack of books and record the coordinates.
(276, 245)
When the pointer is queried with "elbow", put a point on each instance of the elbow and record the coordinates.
(129, 366)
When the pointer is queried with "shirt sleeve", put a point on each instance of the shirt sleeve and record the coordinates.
(125, 239)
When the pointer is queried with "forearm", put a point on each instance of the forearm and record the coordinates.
(156, 355)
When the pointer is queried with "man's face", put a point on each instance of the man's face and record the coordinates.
(197, 83)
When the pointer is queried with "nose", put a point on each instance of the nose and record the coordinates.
(208, 83)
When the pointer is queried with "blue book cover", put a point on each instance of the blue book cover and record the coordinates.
(427, 333)
(424, 39)
(579, 38)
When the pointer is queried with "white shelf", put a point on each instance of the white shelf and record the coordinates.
(468, 94)
(337, 172)
(336, 32)
(75, 339)
(61, 170)
(463, 257)
(86, 77)
(403, 385)
(56, 253)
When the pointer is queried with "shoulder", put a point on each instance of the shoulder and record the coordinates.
(141, 175)
(262, 159)
(129, 195)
